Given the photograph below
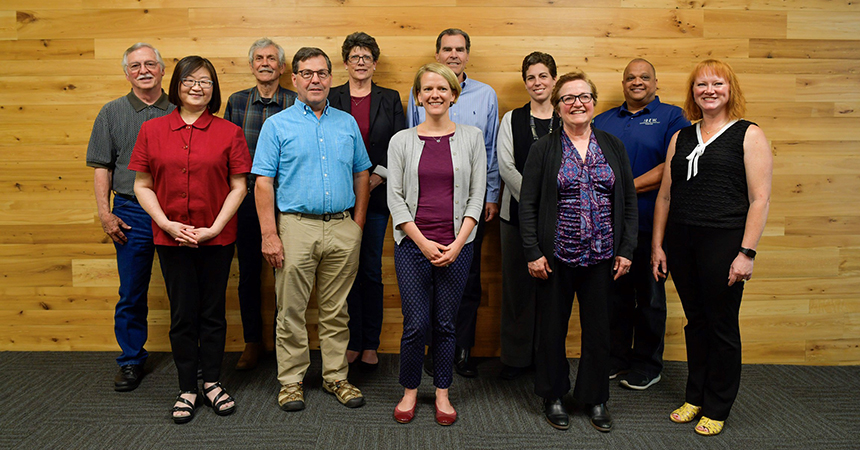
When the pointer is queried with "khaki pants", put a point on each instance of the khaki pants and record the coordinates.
(325, 253)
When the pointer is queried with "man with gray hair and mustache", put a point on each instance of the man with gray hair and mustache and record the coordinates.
(127, 224)
(249, 109)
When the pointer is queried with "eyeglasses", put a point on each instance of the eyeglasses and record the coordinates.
(309, 74)
(151, 65)
(583, 98)
(354, 59)
(204, 84)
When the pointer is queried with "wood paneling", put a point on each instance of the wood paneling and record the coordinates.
(798, 61)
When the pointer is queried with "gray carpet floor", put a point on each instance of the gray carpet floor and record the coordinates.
(65, 400)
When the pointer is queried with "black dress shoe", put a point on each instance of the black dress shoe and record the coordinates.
(128, 378)
(600, 417)
(511, 372)
(462, 363)
(555, 414)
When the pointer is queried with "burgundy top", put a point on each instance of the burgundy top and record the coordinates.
(435, 214)
(191, 167)
(584, 233)
(361, 113)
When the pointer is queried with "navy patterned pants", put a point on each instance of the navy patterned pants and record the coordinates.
(429, 295)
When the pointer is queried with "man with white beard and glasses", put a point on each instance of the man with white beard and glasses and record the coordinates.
(248, 109)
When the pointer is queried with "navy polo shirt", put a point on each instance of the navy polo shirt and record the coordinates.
(646, 137)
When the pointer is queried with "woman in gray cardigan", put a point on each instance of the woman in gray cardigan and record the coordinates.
(579, 223)
(437, 175)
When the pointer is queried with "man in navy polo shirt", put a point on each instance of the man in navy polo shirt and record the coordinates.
(638, 314)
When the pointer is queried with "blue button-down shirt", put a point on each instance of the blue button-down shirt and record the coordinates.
(312, 159)
(477, 106)
(646, 137)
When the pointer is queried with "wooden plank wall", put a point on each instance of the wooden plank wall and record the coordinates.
(798, 62)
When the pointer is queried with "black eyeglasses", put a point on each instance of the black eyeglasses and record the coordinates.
(583, 98)
(204, 84)
(135, 66)
(308, 74)
(354, 59)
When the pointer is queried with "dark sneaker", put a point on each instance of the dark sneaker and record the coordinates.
(639, 381)
(615, 372)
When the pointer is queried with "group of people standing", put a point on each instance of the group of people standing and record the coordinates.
(308, 181)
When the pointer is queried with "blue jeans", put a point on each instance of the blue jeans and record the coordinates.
(364, 302)
(134, 264)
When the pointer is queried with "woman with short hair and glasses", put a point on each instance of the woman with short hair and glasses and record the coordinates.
(191, 168)
(579, 224)
(379, 115)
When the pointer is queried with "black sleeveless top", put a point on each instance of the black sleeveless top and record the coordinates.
(521, 133)
(717, 196)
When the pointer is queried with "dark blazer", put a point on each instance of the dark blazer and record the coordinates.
(386, 118)
(539, 197)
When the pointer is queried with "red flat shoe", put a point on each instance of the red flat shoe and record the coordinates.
(405, 416)
(445, 419)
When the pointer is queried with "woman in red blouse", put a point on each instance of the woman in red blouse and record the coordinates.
(191, 170)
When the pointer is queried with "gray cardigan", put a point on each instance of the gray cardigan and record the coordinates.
(539, 197)
(469, 157)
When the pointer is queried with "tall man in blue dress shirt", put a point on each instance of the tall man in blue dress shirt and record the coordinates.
(128, 225)
(249, 108)
(638, 314)
(317, 155)
(477, 106)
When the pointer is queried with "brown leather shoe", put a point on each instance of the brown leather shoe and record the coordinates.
(250, 356)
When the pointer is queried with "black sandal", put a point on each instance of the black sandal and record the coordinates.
(189, 409)
(216, 405)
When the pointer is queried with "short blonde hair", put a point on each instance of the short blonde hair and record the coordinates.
(439, 69)
(567, 78)
(737, 104)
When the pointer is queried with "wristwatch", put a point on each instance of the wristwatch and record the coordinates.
(749, 252)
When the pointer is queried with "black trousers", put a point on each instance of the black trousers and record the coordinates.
(196, 281)
(250, 255)
(518, 301)
(592, 286)
(467, 315)
(699, 259)
(637, 316)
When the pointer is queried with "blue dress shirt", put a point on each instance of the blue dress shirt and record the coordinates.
(312, 159)
(646, 137)
(477, 106)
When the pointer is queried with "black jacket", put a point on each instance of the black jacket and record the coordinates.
(539, 197)
(386, 118)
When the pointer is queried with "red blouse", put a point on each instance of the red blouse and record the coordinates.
(191, 167)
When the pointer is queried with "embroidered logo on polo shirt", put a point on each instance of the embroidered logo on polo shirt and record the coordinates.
(649, 121)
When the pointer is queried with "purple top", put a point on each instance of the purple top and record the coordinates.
(435, 213)
(584, 233)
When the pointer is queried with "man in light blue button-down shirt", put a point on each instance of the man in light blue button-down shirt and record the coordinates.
(317, 155)
(477, 106)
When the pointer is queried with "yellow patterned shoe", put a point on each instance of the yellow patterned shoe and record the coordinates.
(292, 397)
(708, 427)
(686, 413)
(345, 392)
